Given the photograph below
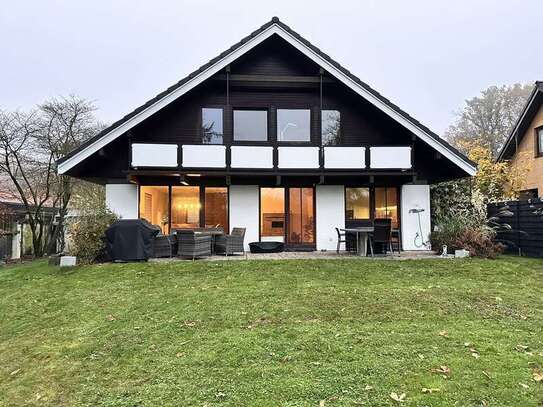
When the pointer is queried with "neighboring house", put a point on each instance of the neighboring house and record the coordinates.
(15, 233)
(524, 146)
(274, 136)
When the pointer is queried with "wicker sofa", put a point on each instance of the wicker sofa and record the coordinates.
(191, 244)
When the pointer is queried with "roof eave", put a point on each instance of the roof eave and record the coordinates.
(203, 73)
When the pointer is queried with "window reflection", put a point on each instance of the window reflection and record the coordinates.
(216, 207)
(357, 203)
(250, 125)
(300, 216)
(272, 214)
(185, 207)
(154, 206)
(293, 125)
(330, 127)
(386, 204)
(212, 129)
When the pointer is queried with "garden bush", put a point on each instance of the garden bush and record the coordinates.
(87, 233)
(464, 233)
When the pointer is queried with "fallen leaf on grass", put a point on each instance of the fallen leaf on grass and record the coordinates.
(521, 348)
(189, 324)
(443, 370)
(524, 386)
(445, 334)
(474, 353)
(537, 375)
(220, 395)
(368, 387)
(397, 397)
(484, 403)
(179, 354)
(429, 391)
(322, 403)
(111, 318)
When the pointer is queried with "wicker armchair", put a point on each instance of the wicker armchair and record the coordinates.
(165, 246)
(232, 243)
(191, 244)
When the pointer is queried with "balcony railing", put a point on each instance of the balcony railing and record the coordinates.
(152, 155)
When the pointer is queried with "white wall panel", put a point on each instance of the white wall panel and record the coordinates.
(251, 157)
(330, 206)
(298, 157)
(344, 157)
(122, 199)
(154, 155)
(204, 156)
(244, 211)
(390, 157)
(415, 198)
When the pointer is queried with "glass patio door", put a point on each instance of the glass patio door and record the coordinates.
(301, 217)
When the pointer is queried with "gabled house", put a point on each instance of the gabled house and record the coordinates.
(275, 136)
(524, 146)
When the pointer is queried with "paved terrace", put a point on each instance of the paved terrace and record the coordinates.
(406, 255)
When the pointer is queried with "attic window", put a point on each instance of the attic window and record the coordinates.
(212, 131)
(250, 125)
(293, 125)
(539, 140)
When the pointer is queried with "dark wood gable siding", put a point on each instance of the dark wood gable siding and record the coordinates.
(362, 123)
(275, 57)
(179, 122)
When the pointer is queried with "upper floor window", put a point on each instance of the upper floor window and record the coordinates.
(330, 127)
(294, 125)
(539, 135)
(212, 129)
(250, 125)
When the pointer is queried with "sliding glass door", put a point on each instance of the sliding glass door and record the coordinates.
(272, 214)
(288, 215)
(181, 207)
(301, 217)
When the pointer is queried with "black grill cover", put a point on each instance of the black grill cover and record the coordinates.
(130, 239)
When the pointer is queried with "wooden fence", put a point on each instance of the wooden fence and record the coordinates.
(526, 221)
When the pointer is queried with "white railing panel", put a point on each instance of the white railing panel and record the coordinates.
(204, 156)
(344, 157)
(251, 157)
(390, 157)
(154, 155)
(298, 157)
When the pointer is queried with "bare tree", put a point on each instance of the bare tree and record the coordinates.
(487, 119)
(30, 144)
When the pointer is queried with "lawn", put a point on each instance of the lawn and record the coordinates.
(292, 333)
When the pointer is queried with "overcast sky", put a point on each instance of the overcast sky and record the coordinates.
(426, 56)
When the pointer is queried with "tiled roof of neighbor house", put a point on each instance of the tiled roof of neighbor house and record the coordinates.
(535, 101)
(274, 20)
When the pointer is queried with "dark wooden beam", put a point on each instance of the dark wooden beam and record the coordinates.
(273, 78)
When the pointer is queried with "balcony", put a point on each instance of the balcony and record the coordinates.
(243, 157)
